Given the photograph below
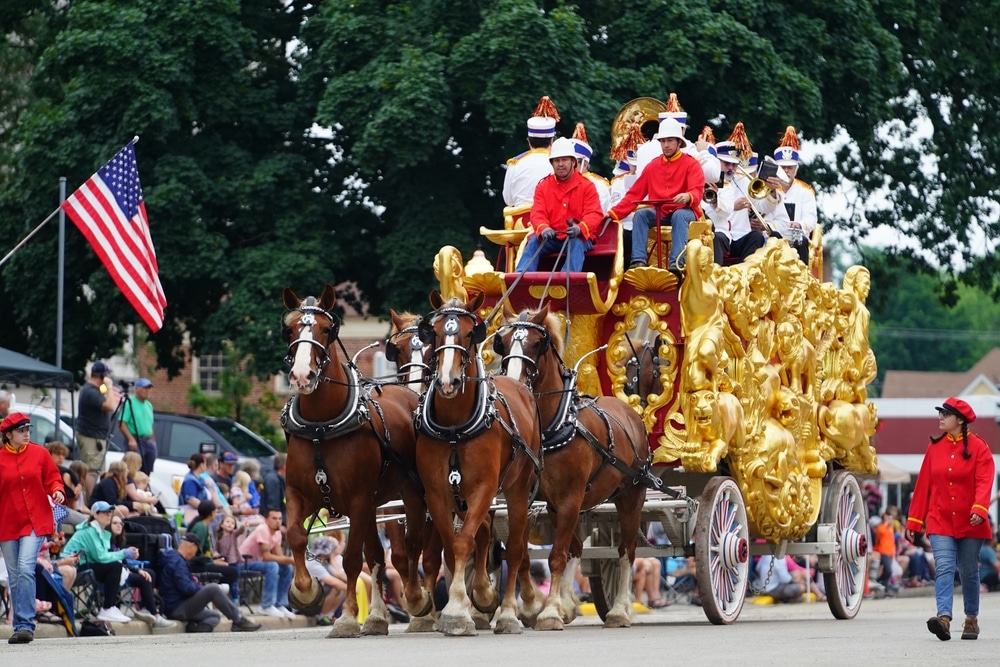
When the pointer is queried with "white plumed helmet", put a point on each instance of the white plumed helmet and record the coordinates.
(563, 147)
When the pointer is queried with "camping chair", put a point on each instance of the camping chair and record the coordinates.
(86, 596)
(251, 586)
(48, 588)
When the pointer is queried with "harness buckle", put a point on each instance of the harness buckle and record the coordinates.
(454, 478)
(321, 477)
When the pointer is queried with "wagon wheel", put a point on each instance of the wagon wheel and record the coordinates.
(722, 550)
(844, 505)
(604, 588)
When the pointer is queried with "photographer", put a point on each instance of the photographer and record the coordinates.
(98, 400)
(136, 424)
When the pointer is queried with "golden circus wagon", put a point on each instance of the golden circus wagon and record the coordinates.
(751, 380)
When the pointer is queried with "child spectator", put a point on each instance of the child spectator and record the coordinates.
(334, 582)
(227, 540)
(240, 499)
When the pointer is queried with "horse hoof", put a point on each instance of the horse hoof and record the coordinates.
(550, 623)
(507, 626)
(421, 624)
(375, 626)
(309, 601)
(617, 621)
(425, 611)
(345, 627)
(481, 620)
(457, 626)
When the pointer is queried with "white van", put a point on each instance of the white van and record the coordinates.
(167, 475)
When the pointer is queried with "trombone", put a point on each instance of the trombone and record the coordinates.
(756, 190)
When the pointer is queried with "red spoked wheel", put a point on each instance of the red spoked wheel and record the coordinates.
(722, 550)
(844, 505)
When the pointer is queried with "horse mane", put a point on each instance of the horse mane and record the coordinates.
(551, 324)
(408, 320)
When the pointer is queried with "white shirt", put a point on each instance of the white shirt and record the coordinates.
(522, 176)
(619, 186)
(730, 222)
(603, 190)
(802, 198)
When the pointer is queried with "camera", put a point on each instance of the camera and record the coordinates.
(125, 384)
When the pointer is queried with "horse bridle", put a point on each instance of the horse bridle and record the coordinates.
(521, 328)
(427, 334)
(309, 311)
(392, 352)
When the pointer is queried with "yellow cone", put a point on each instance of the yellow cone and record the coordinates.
(362, 591)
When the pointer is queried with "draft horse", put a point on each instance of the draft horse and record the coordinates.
(595, 449)
(476, 436)
(351, 448)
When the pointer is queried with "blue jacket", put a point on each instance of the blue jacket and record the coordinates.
(176, 583)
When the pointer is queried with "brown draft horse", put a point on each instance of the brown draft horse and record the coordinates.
(351, 448)
(476, 436)
(600, 454)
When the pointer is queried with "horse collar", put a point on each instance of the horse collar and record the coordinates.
(481, 419)
(354, 414)
(562, 427)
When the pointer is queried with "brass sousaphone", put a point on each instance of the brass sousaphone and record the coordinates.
(641, 111)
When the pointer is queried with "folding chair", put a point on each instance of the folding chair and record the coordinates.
(251, 586)
(86, 596)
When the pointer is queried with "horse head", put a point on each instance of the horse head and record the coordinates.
(405, 349)
(525, 342)
(310, 329)
(452, 330)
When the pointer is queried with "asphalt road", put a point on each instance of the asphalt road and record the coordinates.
(886, 632)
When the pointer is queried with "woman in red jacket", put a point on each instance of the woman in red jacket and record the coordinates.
(950, 504)
(28, 479)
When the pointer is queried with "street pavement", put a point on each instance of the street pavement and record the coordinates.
(886, 632)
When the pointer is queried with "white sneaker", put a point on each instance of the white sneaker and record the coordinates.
(288, 612)
(113, 615)
(273, 611)
(144, 616)
(161, 623)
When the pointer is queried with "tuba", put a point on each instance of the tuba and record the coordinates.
(643, 112)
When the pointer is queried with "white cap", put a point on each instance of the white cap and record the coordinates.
(541, 127)
(563, 147)
(583, 149)
(670, 129)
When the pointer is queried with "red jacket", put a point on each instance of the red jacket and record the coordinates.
(664, 179)
(556, 202)
(950, 489)
(27, 479)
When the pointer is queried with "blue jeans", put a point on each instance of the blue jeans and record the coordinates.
(277, 581)
(573, 255)
(20, 555)
(646, 218)
(945, 551)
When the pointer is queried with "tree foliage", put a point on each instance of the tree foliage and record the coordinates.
(298, 143)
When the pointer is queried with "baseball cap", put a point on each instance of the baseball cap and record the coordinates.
(142, 383)
(229, 457)
(192, 538)
(99, 369)
(101, 506)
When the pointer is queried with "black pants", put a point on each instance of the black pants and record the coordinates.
(147, 599)
(110, 576)
(195, 608)
(742, 247)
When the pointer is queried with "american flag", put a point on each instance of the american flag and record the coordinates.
(108, 209)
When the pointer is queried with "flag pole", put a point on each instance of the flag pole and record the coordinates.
(59, 286)
(28, 237)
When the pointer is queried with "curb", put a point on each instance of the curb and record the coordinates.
(138, 628)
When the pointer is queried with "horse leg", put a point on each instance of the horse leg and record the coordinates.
(629, 506)
(568, 600)
(456, 619)
(517, 516)
(564, 528)
(418, 601)
(431, 560)
(347, 625)
(484, 596)
(305, 593)
(377, 622)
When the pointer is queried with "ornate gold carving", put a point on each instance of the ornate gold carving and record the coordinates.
(651, 279)
(448, 269)
(644, 326)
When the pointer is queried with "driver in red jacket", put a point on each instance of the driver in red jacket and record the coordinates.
(566, 210)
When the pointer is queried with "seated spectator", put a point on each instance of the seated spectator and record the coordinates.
(82, 503)
(71, 482)
(112, 489)
(777, 581)
(810, 574)
(215, 494)
(138, 577)
(92, 541)
(227, 540)
(646, 577)
(885, 547)
(143, 502)
(334, 582)
(193, 489)
(252, 469)
(262, 551)
(241, 500)
(539, 574)
(64, 569)
(989, 565)
(208, 559)
(185, 600)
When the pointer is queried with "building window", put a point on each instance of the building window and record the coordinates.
(210, 367)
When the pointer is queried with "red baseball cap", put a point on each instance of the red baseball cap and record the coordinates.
(14, 420)
(959, 408)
